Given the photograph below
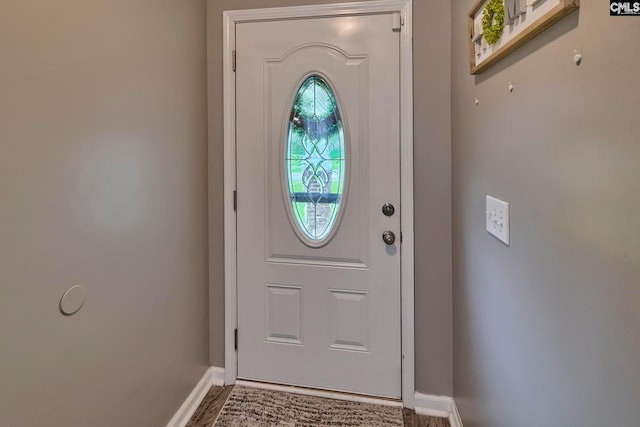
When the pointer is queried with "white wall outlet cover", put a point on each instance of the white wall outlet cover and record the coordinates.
(497, 218)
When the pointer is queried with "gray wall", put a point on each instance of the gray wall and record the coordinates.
(546, 330)
(432, 179)
(102, 183)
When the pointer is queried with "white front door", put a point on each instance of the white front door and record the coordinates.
(318, 156)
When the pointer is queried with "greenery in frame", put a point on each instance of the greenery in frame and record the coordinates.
(493, 21)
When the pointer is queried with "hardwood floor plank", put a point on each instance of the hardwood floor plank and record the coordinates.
(210, 407)
(411, 419)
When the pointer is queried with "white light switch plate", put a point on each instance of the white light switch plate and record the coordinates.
(497, 214)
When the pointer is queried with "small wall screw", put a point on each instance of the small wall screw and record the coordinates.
(577, 57)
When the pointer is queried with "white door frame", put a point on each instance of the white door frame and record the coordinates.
(230, 18)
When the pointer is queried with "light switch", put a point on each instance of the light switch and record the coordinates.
(497, 213)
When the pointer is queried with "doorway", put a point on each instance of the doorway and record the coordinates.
(321, 236)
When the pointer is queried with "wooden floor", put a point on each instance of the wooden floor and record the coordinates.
(411, 419)
(211, 405)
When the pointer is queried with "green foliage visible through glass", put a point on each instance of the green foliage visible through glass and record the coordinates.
(315, 159)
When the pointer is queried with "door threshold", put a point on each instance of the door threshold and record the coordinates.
(327, 394)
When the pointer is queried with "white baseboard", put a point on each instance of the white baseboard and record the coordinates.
(435, 406)
(213, 376)
(217, 375)
(454, 418)
(438, 406)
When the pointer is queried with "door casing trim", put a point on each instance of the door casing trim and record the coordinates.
(230, 19)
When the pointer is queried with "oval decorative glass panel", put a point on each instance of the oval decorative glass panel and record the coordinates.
(315, 160)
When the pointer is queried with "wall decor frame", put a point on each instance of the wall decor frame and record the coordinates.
(523, 20)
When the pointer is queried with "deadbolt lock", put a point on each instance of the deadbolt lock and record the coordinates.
(388, 209)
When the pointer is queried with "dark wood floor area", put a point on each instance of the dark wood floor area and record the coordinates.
(411, 419)
(211, 405)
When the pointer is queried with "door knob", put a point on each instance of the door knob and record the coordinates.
(388, 209)
(388, 237)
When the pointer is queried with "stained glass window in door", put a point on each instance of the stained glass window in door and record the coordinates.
(315, 159)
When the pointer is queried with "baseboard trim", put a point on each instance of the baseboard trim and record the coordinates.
(454, 419)
(213, 376)
(435, 406)
(438, 406)
(217, 375)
